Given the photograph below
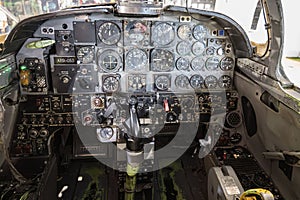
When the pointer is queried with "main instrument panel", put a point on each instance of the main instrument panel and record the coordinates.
(83, 68)
(130, 55)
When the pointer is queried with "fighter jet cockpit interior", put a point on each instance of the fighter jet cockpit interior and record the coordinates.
(148, 100)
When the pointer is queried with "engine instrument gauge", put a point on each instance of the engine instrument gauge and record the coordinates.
(163, 34)
(212, 63)
(184, 32)
(224, 81)
(227, 63)
(210, 51)
(235, 138)
(162, 60)
(109, 33)
(109, 61)
(183, 48)
(182, 64)
(136, 82)
(200, 32)
(136, 31)
(110, 84)
(198, 48)
(187, 103)
(136, 60)
(162, 82)
(197, 64)
(85, 55)
(211, 82)
(196, 81)
(182, 81)
(220, 51)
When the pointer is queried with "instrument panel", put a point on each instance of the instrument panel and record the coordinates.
(179, 71)
(134, 55)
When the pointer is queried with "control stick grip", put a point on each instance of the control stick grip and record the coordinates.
(134, 119)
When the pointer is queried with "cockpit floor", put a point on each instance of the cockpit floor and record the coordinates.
(91, 180)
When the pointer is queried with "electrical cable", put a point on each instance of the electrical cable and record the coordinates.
(17, 175)
(50, 139)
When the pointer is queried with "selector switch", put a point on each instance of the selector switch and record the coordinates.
(33, 133)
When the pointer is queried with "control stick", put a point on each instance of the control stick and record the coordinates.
(134, 144)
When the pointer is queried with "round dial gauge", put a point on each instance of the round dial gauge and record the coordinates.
(162, 60)
(224, 81)
(136, 31)
(227, 63)
(220, 51)
(187, 103)
(162, 82)
(109, 33)
(211, 82)
(210, 51)
(198, 48)
(109, 61)
(183, 48)
(184, 32)
(110, 84)
(196, 81)
(136, 82)
(182, 81)
(136, 60)
(200, 32)
(197, 64)
(182, 64)
(106, 133)
(85, 55)
(212, 63)
(163, 34)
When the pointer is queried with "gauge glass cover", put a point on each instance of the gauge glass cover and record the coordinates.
(162, 82)
(85, 55)
(162, 60)
(110, 84)
(136, 60)
(163, 34)
(109, 33)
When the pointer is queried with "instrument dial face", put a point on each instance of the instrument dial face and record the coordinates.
(163, 34)
(109, 61)
(85, 55)
(162, 60)
(197, 64)
(136, 82)
(224, 81)
(210, 51)
(109, 33)
(136, 60)
(110, 84)
(182, 64)
(211, 82)
(198, 48)
(200, 32)
(212, 63)
(184, 32)
(182, 81)
(227, 63)
(162, 82)
(183, 48)
(196, 81)
(220, 51)
(136, 31)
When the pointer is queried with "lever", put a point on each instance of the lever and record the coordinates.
(134, 119)
(134, 144)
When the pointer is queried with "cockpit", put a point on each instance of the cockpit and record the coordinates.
(135, 101)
